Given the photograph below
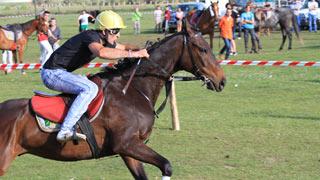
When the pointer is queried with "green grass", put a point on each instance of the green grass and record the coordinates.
(265, 128)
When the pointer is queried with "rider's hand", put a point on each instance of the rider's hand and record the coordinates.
(141, 53)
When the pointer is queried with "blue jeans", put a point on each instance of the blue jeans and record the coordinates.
(298, 22)
(312, 20)
(226, 47)
(64, 81)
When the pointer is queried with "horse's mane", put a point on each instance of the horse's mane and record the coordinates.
(127, 63)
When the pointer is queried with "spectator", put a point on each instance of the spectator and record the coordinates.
(226, 24)
(234, 15)
(79, 50)
(136, 16)
(247, 21)
(313, 7)
(7, 59)
(83, 21)
(179, 17)
(157, 19)
(45, 47)
(167, 17)
(55, 34)
(296, 6)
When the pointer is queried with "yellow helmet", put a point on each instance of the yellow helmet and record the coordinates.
(109, 20)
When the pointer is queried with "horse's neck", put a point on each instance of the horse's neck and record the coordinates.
(164, 63)
(28, 28)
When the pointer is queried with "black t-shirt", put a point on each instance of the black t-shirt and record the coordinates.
(75, 52)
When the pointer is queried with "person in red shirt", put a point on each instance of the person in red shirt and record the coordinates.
(225, 25)
(167, 17)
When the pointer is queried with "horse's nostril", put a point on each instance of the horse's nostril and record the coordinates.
(223, 83)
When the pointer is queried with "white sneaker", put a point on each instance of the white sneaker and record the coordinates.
(64, 136)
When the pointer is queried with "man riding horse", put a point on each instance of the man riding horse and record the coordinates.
(78, 51)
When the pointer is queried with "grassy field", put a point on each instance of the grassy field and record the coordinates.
(264, 125)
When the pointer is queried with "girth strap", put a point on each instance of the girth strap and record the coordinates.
(86, 129)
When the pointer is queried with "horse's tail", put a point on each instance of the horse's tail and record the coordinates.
(296, 29)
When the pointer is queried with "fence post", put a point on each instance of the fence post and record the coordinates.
(174, 109)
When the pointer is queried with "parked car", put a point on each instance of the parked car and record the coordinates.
(186, 8)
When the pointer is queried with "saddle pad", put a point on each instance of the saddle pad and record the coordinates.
(10, 35)
(54, 108)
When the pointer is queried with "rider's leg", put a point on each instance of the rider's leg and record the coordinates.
(86, 90)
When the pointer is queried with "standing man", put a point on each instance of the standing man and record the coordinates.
(226, 24)
(45, 47)
(55, 34)
(157, 14)
(136, 16)
(79, 50)
(247, 21)
(167, 17)
(83, 21)
(313, 7)
(296, 6)
(179, 17)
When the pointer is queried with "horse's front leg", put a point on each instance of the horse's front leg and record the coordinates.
(136, 149)
(284, 37)
(135, 167)
(211, 40)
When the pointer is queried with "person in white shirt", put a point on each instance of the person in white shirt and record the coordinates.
(158, 19)
(179, 17)
(7, 59)
(83, 21)
(296, 6)
(313, 7)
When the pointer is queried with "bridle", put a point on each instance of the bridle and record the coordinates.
(168, 78)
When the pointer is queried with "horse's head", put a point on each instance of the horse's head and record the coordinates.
(215, 9)
(41, 24)
(200, 61)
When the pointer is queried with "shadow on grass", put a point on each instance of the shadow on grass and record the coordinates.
(317, 47)
(310, 81)
(280, 116)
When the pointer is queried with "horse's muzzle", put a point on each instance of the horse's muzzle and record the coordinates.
(216, 86)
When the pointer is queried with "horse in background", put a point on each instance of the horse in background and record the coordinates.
(15, 37)
(287, 21)
(206, 21)
(125, 121)
(261, 16)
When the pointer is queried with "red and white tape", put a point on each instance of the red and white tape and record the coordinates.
(271, 63)
(224, 62)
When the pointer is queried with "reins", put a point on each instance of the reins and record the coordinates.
(168, 78)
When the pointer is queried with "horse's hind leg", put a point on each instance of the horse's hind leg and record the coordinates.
(290, 40)
(135, 167)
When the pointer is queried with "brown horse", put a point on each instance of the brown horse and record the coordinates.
(207, 20)
(125, 121)
(22, 32)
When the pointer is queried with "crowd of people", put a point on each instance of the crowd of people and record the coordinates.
(49, 42)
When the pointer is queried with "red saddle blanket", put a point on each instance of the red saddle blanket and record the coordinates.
(55, 108)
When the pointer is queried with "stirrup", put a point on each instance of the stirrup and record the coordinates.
(75, 136)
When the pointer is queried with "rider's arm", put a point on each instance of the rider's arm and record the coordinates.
(115, 53)
(127, 47)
